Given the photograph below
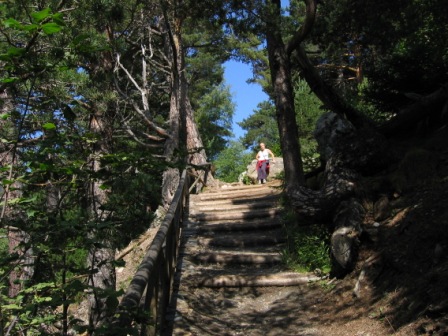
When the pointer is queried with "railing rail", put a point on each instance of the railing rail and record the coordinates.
(143, 307)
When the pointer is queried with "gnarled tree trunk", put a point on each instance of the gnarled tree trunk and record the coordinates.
(184, 134)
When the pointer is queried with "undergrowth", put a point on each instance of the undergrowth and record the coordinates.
(308, 247)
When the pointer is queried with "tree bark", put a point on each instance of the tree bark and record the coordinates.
(101, 253)
(280, 68)
(339, 184)
(197, 156)
(184, 134)
(171, 176)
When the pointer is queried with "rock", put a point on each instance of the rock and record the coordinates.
(241, 176)
(275, 169)
(381, 209)
(345, 238)
(329, 129)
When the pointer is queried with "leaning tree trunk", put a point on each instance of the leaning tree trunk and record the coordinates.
(329, 97)
(433, 105)
(348, 152)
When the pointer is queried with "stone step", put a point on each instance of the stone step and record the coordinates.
(242, 187)
(194, 228)
(212, 279)
(236, 257)
(192, 247)
(238, 214)
(271, 198)
(212, 207)
(237, 194)
(242, 241)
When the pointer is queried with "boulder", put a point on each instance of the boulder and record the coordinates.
(330, 127)
(275, 169)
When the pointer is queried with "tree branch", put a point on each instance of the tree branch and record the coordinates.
(304, 29)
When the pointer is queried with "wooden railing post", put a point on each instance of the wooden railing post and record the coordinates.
(206, 168)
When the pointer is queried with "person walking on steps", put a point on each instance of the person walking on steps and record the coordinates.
(263, 163)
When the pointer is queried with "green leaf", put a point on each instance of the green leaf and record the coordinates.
(11, 53)
(30, 213)
(26, 200)
(49, 126)
(7, 182)
(42, 299)
(59, 19)
(12, 23)
(30, 28)
(51, 28)
(42, 15)
(12, 306)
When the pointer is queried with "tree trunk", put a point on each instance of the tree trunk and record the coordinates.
(279, 64)
(320, 204)
(171, 176)
(101, 253)
(197, 155)
(17, 238)
(184, 135)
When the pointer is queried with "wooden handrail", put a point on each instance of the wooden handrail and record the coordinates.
(154, 276)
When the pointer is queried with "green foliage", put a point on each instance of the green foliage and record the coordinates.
(3, 242)
(308, 111)
(308, 247)
(400, 52)
(214, 117)
(232, 161)
(261, 126)
(57, 89)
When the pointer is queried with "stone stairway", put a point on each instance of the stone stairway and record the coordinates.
(232, 243)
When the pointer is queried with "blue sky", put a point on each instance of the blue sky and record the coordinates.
(245, 96)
